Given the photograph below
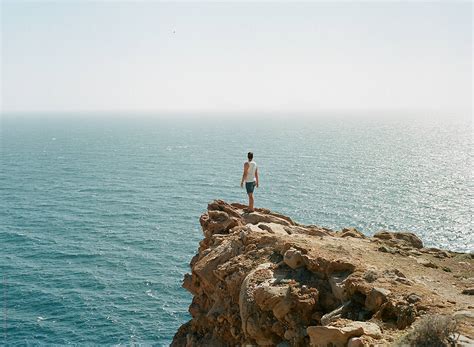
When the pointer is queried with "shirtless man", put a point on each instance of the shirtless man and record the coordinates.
(250, 176)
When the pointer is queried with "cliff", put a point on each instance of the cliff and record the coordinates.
(262, 279)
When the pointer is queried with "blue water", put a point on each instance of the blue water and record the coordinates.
(99, 214)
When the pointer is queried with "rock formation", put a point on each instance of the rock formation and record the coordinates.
(262, 279)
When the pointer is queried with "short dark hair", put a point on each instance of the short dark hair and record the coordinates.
(250, 155)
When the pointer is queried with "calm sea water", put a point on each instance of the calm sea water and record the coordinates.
(99, 216)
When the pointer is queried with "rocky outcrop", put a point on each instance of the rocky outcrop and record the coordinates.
(262, 279)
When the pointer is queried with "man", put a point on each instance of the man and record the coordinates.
(250, 176)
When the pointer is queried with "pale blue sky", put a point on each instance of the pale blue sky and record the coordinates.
(159, 56)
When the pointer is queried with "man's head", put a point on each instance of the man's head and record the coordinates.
(250, 155)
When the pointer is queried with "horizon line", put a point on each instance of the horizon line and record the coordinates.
(229, 112)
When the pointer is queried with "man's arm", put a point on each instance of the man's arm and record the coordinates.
(256, 176)
(246, 168)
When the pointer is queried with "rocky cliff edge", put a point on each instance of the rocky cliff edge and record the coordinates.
(262, 279)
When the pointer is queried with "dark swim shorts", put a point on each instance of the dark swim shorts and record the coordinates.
(250, 186)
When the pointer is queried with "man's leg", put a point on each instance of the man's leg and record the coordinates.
(251, 201)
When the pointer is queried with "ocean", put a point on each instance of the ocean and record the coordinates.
(99, 214)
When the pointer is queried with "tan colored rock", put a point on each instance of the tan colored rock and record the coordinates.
(322, 336)
(336, 281)
(260, 279)
(426, 263)
(205, 267)
(217, 222)
(400, 238)
(293, 258)
(375, 298)
(258, 217)
(251, 314)
(404, 280)
(464, 314)
(351, 232)
(368, 328)
(438, 253)
(355, 342)
(339, 336)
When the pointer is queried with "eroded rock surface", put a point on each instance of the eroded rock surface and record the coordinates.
(262, 279)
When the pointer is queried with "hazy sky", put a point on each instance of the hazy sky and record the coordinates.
(163, 56)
